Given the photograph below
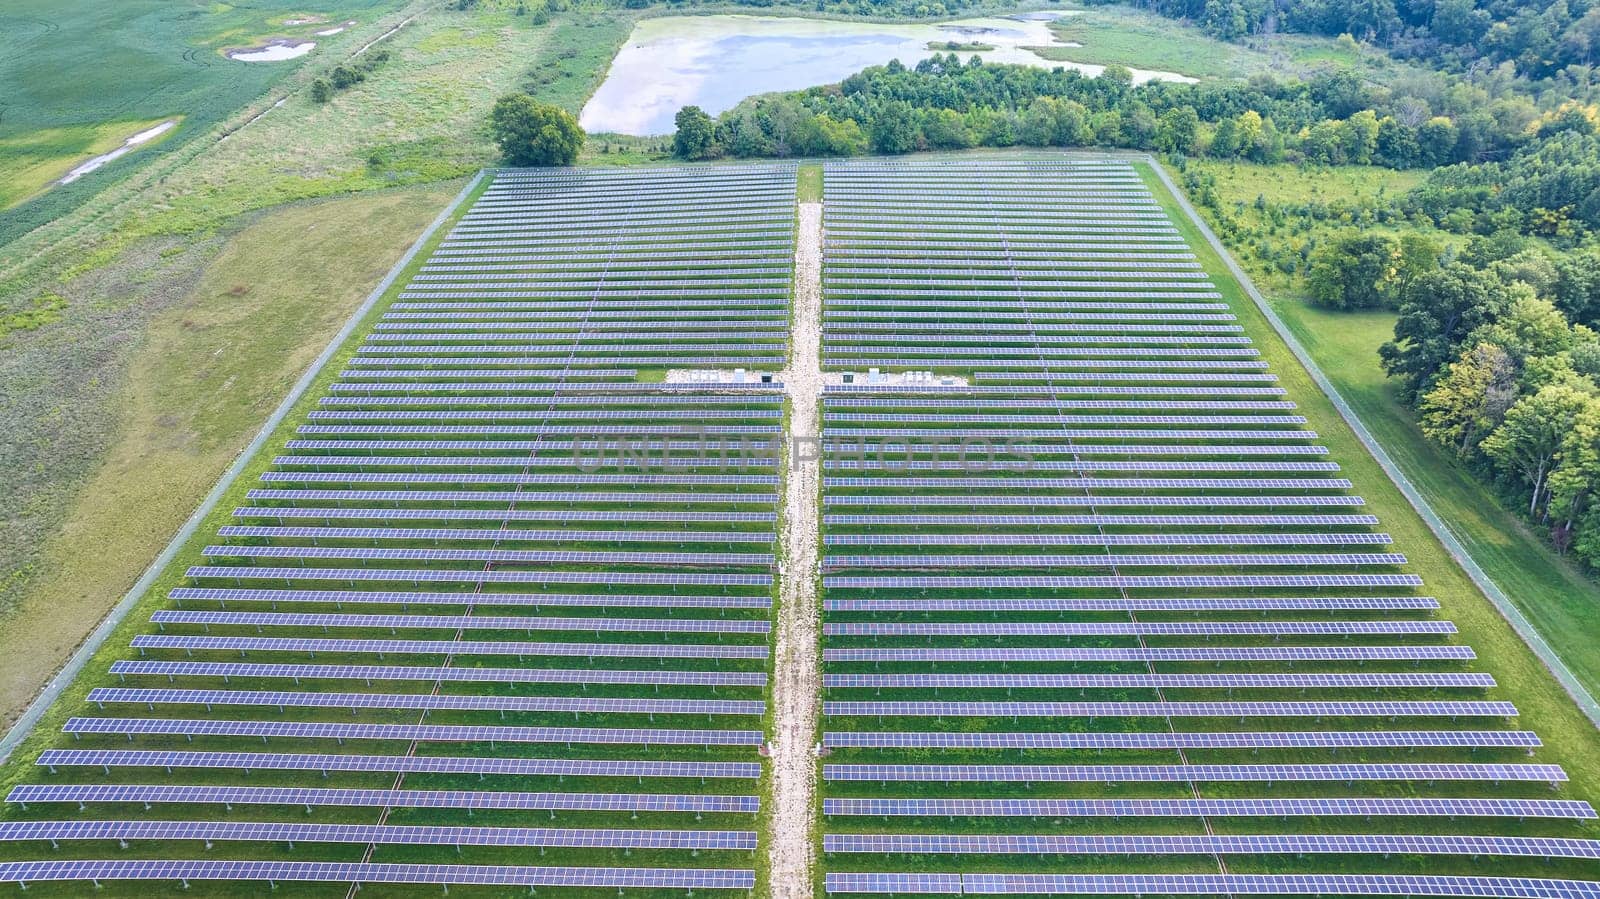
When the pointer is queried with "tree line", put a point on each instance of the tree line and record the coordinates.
(1499, 357)
(945, 103)
(1496, 345)
(1499, 161)
(1555, 40)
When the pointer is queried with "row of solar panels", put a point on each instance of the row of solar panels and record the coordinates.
(1212, 885)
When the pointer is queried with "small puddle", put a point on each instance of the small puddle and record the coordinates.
(330, 32)
(274, 52)
(128, 146)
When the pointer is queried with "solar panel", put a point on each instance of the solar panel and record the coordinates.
(993, 521)
(970, 457)
(1085, 483)
(631, 445)
(317, 730)
(1183, 773)
(520, 462)
(1154, 654)
(520, 767)
(1243, 884)
(1519, 739)
(430, 674)
(313, 797)
(487, 554)
(370, 872)
(887, 392)
(1034, 433)
(1388, 709)
(1154, 681)
(524, 496)
(892, 883)
(978, 449)
(469, 622)
(1007, 499)
(377, 833)
(1216, 808)
(460, 702)
(1207, 844)
(477, 575)
(449, 647)
(225, 595)
(1140, 604)
(1163, 539)
(656, 419)
(1124, 628)
(513, 534)
(698, 516)
(1132, 582)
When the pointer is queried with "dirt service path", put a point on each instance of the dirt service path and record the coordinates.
(797, 677)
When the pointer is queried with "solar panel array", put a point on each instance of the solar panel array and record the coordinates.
(1096, 597)
(500, 605)
(497, 614)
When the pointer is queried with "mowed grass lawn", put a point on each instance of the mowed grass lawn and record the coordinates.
(1121, 35)
(1570, 738)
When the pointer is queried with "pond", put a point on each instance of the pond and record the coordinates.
(716, 61)
(274, 52)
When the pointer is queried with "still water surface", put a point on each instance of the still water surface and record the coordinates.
(716, 61)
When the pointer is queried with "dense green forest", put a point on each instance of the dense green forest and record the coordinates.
(1540, 39)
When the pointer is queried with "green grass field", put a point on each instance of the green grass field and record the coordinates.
(76, 78)
(210, 367)
(36, 159)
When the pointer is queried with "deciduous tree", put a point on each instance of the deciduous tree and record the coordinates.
(534, 133)
(1527, 441)
(695, 137)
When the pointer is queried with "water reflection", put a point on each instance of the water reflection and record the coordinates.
(716, 61)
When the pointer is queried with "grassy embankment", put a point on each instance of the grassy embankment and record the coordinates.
(1557, 597)
(1570, 740)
